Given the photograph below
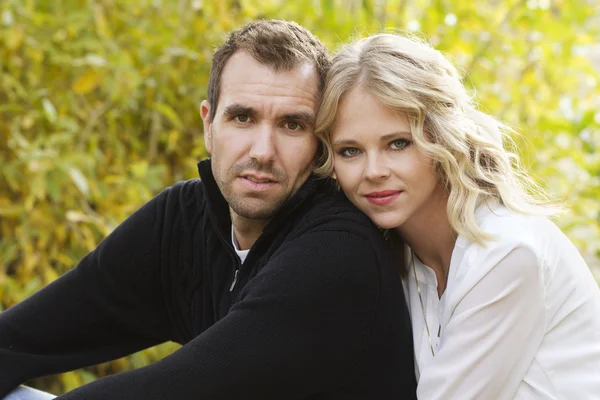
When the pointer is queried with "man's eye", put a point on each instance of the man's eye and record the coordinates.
(349, 152)
(293, 126)
(242, 118)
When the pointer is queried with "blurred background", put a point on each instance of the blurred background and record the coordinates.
(99, 110)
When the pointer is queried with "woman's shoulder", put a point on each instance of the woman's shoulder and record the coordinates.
(516, 239)
(532, 236)
(508, 228)
(497, 219)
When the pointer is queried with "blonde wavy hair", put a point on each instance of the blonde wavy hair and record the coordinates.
(467, 146)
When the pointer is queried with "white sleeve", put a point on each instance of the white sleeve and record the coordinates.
(493, 334)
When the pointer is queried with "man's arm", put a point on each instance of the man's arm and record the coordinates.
(108, 306)
(299, 330)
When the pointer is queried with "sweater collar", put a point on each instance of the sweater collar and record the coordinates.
(218, 208)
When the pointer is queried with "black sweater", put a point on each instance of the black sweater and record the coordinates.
(316, 312)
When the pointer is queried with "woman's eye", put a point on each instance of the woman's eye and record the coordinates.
(242, 118)
(399, 144)
(293, 126)
(349, 152)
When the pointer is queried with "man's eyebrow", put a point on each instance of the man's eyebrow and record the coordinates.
(301, 116)
(238, 109)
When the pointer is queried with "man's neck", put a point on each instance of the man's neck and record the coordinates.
(247, 230)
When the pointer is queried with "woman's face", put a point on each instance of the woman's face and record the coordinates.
(376, 163)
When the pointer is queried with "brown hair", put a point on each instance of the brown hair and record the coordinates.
(281, 45)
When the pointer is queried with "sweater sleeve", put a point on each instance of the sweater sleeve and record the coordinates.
(299, 330)
(106, 307)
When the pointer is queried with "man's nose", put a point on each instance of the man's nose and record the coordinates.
(376, 168)
(263, 145)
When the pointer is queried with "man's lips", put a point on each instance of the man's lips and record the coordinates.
(382, 197)
(257, 178)
(257, 182)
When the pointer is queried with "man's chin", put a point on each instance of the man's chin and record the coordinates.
(255, 211)
(258, 215)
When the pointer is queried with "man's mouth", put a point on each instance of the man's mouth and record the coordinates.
(258, 180)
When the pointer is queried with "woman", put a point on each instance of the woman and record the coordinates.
(502, 304)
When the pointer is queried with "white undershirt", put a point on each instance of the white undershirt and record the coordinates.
(241, 253)
(520, 317)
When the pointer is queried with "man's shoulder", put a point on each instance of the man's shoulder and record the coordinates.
(189, 188)
(333, 211)
(185, 194)
(184, 201)
(331, 237)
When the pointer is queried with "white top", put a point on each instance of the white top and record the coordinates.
(520, 318)
(241, 253)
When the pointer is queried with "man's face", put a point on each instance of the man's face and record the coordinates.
(261, 139)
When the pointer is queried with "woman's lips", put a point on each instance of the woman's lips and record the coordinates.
(383, 197)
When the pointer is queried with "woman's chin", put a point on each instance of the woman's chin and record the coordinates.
(384, 219)
(386, 222)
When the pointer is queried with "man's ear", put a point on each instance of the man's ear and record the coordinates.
(205, 113)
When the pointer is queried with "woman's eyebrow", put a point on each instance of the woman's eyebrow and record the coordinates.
(344, 142)
(383, 138)
(394, 135)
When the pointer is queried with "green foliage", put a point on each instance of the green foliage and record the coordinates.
(99, 110)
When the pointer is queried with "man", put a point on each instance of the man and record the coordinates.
(275, 286)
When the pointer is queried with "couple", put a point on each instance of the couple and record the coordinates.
(278, 287)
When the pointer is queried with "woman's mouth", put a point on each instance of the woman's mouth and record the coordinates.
(383, 197)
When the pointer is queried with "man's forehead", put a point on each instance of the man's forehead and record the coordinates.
(244, 72)
(265, 92)
(307, 70)
(248, 83)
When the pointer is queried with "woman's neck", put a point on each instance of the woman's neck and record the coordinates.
(430, 236)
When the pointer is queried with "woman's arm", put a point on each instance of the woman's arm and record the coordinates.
(493, 334)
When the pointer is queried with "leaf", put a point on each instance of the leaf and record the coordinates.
(86, 83)
(79, 180)
(87, 377)
(587, 119)
(33, 285)
(10, 211)
(328, 8)
(139, 169)
(166, 111)
(7, 18)
(71, 380)
(95, 60)
(14, 38)
(49, 110)
(50, 275)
